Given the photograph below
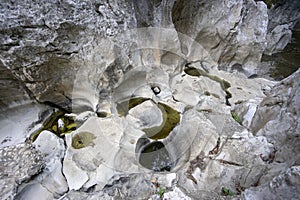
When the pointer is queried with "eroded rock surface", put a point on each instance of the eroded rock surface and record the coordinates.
(42, 41)
(157, 113)
(283, 186)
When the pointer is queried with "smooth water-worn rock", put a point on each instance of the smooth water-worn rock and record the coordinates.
(50, 182)
(17, 122)
(208, 24)
(203, 145)
(91, 152)
(159, 113)
(51, 178)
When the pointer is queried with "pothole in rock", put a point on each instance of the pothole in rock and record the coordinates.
(154, 156)
(83, 139)
(58, 123)
(170, 120)
(157, 121)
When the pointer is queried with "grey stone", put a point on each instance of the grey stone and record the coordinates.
(18, 164)
(283, 186)
(175, 193)
(282, 18)
(44, 41)
(277, 118)
(208, 24)
(72, 55)
(34, 191)
(39, 40)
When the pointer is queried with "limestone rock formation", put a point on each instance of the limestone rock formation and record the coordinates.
(277, 118)
(146, 99)
(283, 186)
(41, 40)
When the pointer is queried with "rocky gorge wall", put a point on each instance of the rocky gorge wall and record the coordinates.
(40, 40)
(182, 76)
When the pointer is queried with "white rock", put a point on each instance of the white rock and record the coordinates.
(92, 163)
(165, 180)
(147, 114)
(53, 148)
(75, 176)
(15, 126)
(84, 116)
(186, 89)
(175, 194)
(34, 191)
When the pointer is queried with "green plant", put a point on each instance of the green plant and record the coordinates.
(161, 191)
(236, 117)
(226, 191)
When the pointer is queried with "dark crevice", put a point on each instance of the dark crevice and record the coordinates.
(228, 162)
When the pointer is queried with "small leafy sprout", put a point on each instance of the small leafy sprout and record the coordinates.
(226, 191)
(236, 118)
(161, 191)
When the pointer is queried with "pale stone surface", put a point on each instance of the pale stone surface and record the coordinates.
(93, 163)
(146, 115)
(282, 18)
(61, 38)
(55, 53)
(47, 35)
(34, 191)
(175, 194)
(167, 180)
(135, 186)
(53, 149)
(277, 118)
(15, 127)
(246, 111)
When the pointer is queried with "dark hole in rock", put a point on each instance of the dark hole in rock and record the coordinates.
(192, 71)
(207, 93)
(52, 124)
(237, 67)
(156, 90)
(154, 156)
(102, 114)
